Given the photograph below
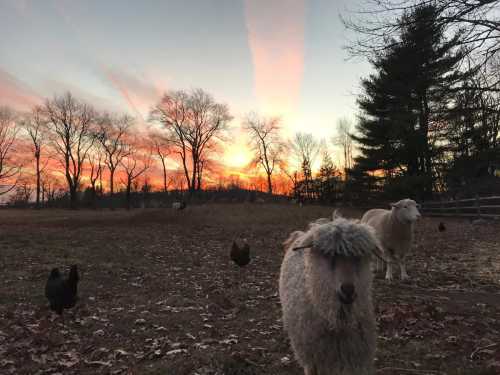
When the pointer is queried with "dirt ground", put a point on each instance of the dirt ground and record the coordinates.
(159, 295)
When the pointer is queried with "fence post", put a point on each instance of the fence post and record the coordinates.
(478, 207)
(457, 209)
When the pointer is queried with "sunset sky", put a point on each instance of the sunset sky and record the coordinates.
(280, 57)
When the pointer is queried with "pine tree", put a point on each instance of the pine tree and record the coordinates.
(407, 98)
(328, 179)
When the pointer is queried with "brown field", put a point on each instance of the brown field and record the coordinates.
(158, 294)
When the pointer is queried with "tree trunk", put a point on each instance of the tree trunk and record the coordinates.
(199, 177)
(186, 173)
(194, 174)
(111, 181)
(94, 195)
(127, 194)
(164, 176)
(269, 184)
(37, 156)
(112, 188)
(73, 198)
(427, 158)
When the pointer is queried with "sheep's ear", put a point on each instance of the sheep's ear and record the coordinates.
(307, 242)
(396, 205)
(291, 239)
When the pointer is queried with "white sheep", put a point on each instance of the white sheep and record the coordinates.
(179, 205)
(394, 230)
(325, 293)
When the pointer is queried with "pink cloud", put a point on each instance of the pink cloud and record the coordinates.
(16, 94)
(276, 38)
(139, 94)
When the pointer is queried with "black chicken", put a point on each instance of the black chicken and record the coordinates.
(240, 255)
(441, 227)
(62, 293)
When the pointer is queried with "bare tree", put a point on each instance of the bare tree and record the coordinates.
(135, 164)
(266, 143)
(70, 125)
(35, 125)
(22, 194)
(96, 166)
(50, 186)
(9, 166)
(476, 21)
(344, 141)
(194, 122)
(162, 151)
(294, 178)
(111, 134)
(305, 148)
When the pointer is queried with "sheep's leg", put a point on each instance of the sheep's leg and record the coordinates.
(379, 262)
(388, 274)
(380, 265)
(310, 370)
(377, 265)
(404, 275)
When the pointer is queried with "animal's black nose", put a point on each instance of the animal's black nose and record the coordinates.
(347, 290)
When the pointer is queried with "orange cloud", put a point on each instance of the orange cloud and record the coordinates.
(123, 91)
(16, 94)
(276, 38)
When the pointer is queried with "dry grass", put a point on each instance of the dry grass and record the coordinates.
(159, 294)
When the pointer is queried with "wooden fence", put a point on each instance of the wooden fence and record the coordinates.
(487, 207)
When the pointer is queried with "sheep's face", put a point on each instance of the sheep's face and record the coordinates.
(406, 210)
(339, 286)
(337, 269)
(345, 271)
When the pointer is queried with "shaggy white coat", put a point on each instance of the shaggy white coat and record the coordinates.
(328, 337)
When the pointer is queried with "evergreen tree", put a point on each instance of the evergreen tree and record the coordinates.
(404, 102)
(474, 139)
(328, 179)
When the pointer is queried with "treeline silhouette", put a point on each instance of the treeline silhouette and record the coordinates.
(147, 198)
